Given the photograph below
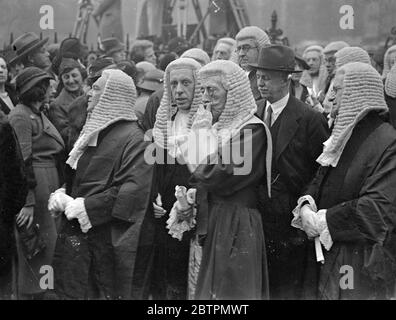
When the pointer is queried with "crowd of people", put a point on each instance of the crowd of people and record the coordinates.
(250, 172)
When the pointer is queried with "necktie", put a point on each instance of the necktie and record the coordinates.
(268, 119)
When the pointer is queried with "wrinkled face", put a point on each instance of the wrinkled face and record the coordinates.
(119, 56)
(182, 85)
(149, 56)
(338, 89)
(222, 52)
(271, 84)
(330, 62)
(40, 58)
(214, 95)
(313, 59)
(72, 80)
(3, 71)
(96, 92)
(248, 52)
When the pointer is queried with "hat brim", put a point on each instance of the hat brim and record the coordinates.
(23, 54)
(302, 62)
(33, 82)
(149, 85)
(115, 49)
(258, 67)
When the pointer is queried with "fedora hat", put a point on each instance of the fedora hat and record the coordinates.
(29, 77)
(111, 45)
(153, 80)
(25, 44)
(276, 58)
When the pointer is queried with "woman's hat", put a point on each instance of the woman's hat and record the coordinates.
(29, 77)
(26, 44)
(152, 81)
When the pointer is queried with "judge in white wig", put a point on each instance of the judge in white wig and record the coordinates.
(234, 259)
(105, 241)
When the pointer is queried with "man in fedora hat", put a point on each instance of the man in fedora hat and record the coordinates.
(30, 52)
(113, 48)
(298, 134)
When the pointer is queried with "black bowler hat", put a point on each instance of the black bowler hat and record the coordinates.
(276, 58)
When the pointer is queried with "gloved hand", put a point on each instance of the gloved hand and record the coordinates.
(58, 201)
(76, 210)
(309, 220)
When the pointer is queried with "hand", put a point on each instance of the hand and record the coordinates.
(58, 201)
(74, 209)
(25, 216)
(159, 212)
(185, 214)
(309, 223)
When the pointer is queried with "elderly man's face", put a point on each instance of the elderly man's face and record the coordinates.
(222, 52)
(40, 58)
(338, 89)
(182, 86)
(313, 59)
(95, 93)
(330, 60)
(271, 84)
(214, 95)
(248, 52)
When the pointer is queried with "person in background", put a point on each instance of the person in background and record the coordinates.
(30, 52)
(389, 60)
(152, 81)
(166, 59)
(315, 77)
(8, 98)
(198, 55)
(297, 89)
(143, 50)
(72, 77)
(42, 146)
(390, 94)
(249, 42)
(224, 49)
(113, 48)
(13, 192)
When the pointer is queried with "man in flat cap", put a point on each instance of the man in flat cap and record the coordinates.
(298, 133)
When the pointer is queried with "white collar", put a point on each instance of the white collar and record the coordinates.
(278, 106)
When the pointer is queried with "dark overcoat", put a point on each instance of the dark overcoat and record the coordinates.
(359, 197)
(115, 254)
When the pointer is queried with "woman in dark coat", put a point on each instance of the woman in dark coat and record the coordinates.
(104, 246)
(71, 76)
(234, 263)
(354, 191)
(41, 147)
(13, 191)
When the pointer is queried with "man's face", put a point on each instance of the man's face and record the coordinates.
(215, 95)
(72, 80)
(182, 86)
(119, 56)
(313, 59)
(3, 71)
(338, 89)
(330, 62)
(222, 52)
(270, 84)
(248, 52)
(149, 56)
(95, 93)
(40, 58)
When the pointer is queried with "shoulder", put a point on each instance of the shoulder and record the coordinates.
(20, 112)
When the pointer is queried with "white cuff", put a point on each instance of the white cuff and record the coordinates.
(296, 222)
(325, 237)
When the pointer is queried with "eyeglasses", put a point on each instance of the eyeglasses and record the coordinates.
(245, 48)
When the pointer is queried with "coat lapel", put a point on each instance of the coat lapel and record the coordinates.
(49, 129)
(288, 126)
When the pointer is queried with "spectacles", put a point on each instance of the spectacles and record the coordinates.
(244, 48)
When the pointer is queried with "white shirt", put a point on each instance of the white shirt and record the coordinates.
(277, 108)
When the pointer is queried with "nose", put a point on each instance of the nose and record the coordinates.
(179, 89)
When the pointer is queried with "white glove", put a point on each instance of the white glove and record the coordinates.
(309, 220)
(58, 201)
(76, 210)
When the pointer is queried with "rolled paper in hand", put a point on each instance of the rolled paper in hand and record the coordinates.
(318, 251)
(181, 196)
